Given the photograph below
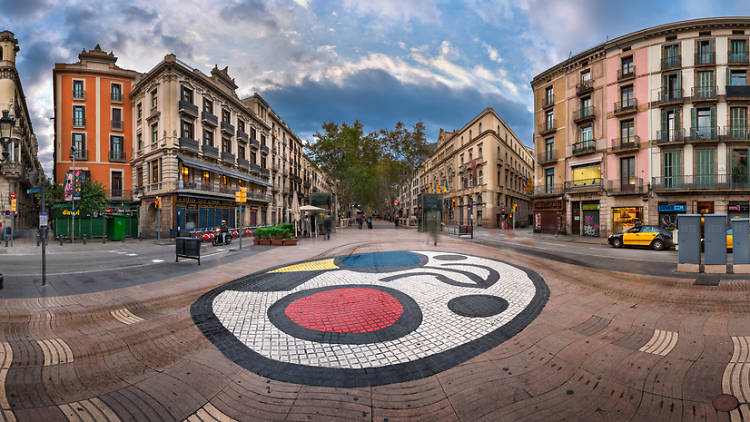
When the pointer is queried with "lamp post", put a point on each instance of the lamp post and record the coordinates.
(7, 124)
(73, 154)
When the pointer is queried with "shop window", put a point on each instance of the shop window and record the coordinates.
(587, 175)
(624, 218)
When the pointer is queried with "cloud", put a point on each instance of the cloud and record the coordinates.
(303, 3)
(24, 9)
(492, 53)
(251, 13)
(395, 12)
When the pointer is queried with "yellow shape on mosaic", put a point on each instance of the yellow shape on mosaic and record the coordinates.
(323, 264)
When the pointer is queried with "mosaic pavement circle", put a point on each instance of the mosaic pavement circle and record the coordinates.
(369, 319)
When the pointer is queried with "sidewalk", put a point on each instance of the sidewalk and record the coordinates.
(27, 245)
(527, 232)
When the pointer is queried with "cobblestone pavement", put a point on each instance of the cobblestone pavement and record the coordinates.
(606, 345)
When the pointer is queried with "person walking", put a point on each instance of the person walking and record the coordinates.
(224, 230)
(327, 223)
(360, 221)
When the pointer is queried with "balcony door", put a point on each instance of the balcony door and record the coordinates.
(627, 173)
(740, 174)
(704, 168)
(672, 87)
(627, 132)
(738, 122)
(116, 184)
(670, 124)
(672, 169)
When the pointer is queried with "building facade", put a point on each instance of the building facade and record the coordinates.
(19, 165)
(93, 121)
(644, 127)
(482, 170)
(196, 144)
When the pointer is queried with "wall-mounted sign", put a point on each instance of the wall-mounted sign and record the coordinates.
(673, 207)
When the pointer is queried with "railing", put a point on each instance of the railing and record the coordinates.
(228, 189)
(585, 86)
(188, 108)
(261, 197)
(671, 61)
(210, 151)
(667, 95)
(736, 132)
(738, 91)
(116, 124)
(254, 143)
(626, 106)
(227, 127)
(548, 101)
(209, 118)
(187, 143)
(626, 72)
(702, 92)
(705, 57)
(584, 184)
(255, 168)
(227, 156)
(584, 113)
(115, 97)
(627, 143)
(82, 155)
(199, 186)
(119, 194)
(243, 163)
(79, 122)
(547, 127)
(700, 133)
(546, 156)
(553, 189)
(265, 172)
(242, 135)
(693, 182)
(630, 186)
(153, 187)
(79, 95)
(117, 156)
(584, 147)
(738, 57)
(667, 136)
(264, 149)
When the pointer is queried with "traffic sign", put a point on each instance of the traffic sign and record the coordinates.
(12, 195)
(13, 205)
(43, 218)
(35, 189)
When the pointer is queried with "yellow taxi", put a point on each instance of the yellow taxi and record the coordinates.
(652, 236)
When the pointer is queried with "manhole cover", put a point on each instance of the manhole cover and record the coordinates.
(725, 403)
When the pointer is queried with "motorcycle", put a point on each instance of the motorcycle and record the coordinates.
(217, 235)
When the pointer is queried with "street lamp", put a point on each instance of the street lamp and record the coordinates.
(6, 133)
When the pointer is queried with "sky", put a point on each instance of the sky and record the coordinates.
(377, 61)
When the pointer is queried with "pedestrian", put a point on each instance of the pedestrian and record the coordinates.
(432, 224)
(360, 221)
(369, 222)
(224, 230)
(327, 222)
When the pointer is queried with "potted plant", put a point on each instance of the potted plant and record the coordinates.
(277, 236)
(290, 239)
(264, 236)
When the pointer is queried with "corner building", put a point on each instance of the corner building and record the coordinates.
(644, 127)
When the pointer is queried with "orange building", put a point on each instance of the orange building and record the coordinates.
(93, 122)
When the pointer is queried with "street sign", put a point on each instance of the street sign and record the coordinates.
(395, 202)
(43, 217)
(13, 205)
(12, 195)
(35, 189)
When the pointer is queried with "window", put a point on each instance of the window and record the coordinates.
(240, 126)
(115, 93)
(481, 177)
(78, 92)
(587, 136)
(738, 53)
(738, 78)
(738, 122)
(549, 120)
(263, 140)
(703, 123)
(79, 116)
(672, 169)
(586, 109)
(253, 136)
(139, 110)
(480, 128)
(140, 176)
(705, 52)
(116, 118)
(672, 87)
(139, 140)
(208, 106)
(705, 84)
(187, 95)
(116, 148)
(155, 171)
(78, 149)
(704, 168)
(626, 96)
(549, 149)
(154, 133)
(116, 184)
(187, 130)
(241, 151)
(627, 171)
(671, 56)
(225, 115)
(549, 98)
(627, 131)
(208, 138)
(739, 169)
(226, 145)
(627, 67)
(479, 151)
(585, 77)
(549, 180)
(670, 124)
(154, 99)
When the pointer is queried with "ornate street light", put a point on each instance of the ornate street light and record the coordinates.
(6, 132)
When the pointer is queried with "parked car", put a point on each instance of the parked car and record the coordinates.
(651, 236)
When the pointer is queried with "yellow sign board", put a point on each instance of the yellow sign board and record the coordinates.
(13, 205)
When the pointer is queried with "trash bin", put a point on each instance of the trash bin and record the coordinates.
(117, 226)
(187, 247)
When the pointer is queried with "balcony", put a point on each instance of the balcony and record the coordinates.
(696, 182)
(734, 91)
(548, 101)
(187, 108)
(738, 57)
(255, 168)
(254, 144)
(584, 184)
(630, 143)
(669, 96)
(585, 147)
(210, 151)
(259, 197)
(547, 128)
(115, 124)
(188, 143)
(205, 187)
(700, 93)
(627, 106)
(79, 95)
(264, 150)
(584, 87)
(275, 151)
(546, 157)
(227, 128)
(625, 73)
(81, 156)
(118, 194)
(227, 156)
(671, 62)
(673, 136)
(116, 97)
(736, 133)
(265, 172)
(541, 191)
(584, 114)
(79, 122)
(625, 187)
(243, 163)
(117, 156)
(209, 119)
(705, 134)
(705, 58)
(242, 136)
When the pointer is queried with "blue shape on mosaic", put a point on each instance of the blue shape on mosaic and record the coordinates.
(381, 259)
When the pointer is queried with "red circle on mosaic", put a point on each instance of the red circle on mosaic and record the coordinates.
(346, 310)
(725, 403)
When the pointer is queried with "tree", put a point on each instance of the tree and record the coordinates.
(93, 196)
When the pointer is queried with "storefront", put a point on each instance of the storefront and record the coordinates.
(738, 209)
(590, 218)
(668, 212)
(194, 213)
(623, 218)
(548, 216)
(705, 207)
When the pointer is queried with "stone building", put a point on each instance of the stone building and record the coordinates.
(19, 165)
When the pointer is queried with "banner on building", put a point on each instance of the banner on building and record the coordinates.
(68, 195)
(77, 184)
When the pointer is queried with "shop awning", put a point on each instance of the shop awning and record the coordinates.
(208, 196)
(231, 173)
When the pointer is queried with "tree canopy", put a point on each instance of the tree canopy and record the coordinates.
(367, 167)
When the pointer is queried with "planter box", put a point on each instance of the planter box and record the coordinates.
(256, 241)
(264, 242)
(290, 242)
(277, 242)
